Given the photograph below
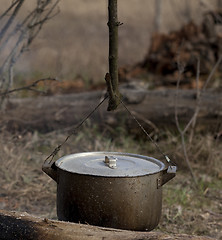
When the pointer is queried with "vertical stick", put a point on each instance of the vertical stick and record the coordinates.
(158, 15)
(112, 77)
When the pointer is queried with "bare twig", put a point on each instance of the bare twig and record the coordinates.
(212, 73)
(48, 15)
(11, 19)
(28, 87)
(8, 10)
(199, 93)
(197, 109)
(36, 25)
(181, 70)
(21, 35)
(192, 121)
(182, 132)
(11, 58)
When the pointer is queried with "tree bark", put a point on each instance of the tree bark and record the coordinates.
(15, 225)
(154, 109)
(112, 78)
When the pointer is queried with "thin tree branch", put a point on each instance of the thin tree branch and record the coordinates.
(193, 119)
(8, 10)
(11, 19)
(187, 158)
(16, 29)
(199, 94)
(197, 109)
(12, 54)
(181, 70)
(212, 73)
(48, 15)
(182, 133)
(28, 87)
(22, 35)
(113, 24)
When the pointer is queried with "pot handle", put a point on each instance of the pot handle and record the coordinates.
(50, 169)
(167, 174)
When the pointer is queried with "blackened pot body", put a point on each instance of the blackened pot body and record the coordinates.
(132, 203)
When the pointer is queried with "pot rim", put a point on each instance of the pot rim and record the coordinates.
(107, 174)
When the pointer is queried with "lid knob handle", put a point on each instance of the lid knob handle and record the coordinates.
(110, 161)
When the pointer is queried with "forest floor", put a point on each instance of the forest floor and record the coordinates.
(187, 208)
(76, 42)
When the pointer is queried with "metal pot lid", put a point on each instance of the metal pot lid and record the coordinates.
(110, 164)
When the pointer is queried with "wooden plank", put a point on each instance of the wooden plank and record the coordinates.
(17, 225)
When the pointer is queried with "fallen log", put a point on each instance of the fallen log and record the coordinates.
(154, 109)
(15, 225)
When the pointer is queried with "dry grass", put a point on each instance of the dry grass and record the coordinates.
(191, 211)
(76, 42)
(24, 187)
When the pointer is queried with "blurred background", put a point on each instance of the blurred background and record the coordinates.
(76, 40)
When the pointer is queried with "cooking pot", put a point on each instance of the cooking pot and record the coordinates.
(110, 189)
